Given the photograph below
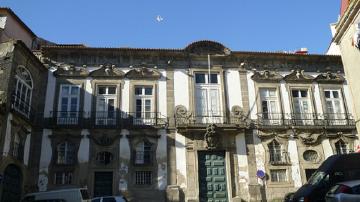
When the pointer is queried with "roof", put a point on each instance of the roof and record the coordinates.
(8, 10)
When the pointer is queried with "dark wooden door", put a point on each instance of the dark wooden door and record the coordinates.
(212, 176)
(12, 184)
(103, 184)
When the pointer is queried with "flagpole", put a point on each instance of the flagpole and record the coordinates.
(209, 86)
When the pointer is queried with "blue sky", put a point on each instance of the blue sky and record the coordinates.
(248, 25)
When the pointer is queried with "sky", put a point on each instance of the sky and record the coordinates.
(241, 25)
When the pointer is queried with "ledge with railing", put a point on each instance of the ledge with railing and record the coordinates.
(305, 119)
(105, 119)
(206, 119)
(279, 158)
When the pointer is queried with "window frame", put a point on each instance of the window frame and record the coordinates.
(19, 92)
(103, 117)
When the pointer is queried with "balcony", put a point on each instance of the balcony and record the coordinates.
(105, 119)
(279, 158)
(218, 119)
(328, 120)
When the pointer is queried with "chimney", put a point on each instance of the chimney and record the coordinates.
(302, 51)
(343, 6)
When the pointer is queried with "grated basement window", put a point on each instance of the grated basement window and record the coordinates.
(143, 177)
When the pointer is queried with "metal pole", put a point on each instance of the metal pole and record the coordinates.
(209, 86)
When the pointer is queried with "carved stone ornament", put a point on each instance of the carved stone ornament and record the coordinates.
(330, 77)
(104, 140)
(143, 73)
(298, 76)
(181, 112)
(237, 112)
(310, 138)
(211, 137)
(263, 135)
(71, 71)
(107, 71)
(205, 47)
(266, 76)
(341, 135)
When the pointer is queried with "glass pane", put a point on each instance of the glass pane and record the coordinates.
(213, 78)
(336, 94)
(138, 108)
(147, 105)
(73, 104)
(101, 105)
(295, 93)
(64, 103)
(201, 102)
(263, 93)
(111, 106)
(101, 90)
(74, 90)
(65, 90)
(214, 102)
(327, 94)
(112, 90)
(303, 93)
(138, 91)
(200, 78)
(148, 91)
(265, 109)
(272, 93)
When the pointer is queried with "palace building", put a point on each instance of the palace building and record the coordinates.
(201, 123)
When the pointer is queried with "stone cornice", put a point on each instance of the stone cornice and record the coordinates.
(143, 73)
(298, 76)
(330, 77)
(107, 71)
(266, 76)
(346, 20)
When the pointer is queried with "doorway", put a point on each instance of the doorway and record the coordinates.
(103, 184)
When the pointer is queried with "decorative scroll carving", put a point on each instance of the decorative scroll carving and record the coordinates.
(181, 112)
(263, 135)
(298, 76)
(330, 77)
(266, 76)
(310, 138)
(341, 135)
(107, 71)
(71, 71)
(143, 73)
(104, 140)
(211, 137)
(205, 47)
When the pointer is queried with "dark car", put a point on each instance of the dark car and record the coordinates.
(336, 168)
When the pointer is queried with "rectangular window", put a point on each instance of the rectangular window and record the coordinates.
(208, 98)
(144, 105)
(334, 107)
(143, 177)
(63, 178)
(106, 105)
(302, 114)
(278, 175)
(68, 104)
(270, 106)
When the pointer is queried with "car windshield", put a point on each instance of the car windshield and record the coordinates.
(317, 177)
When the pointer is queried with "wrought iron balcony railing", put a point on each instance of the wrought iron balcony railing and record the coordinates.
(66, 118)
(144, 119)
(279, 158)
(305, 119)
(205, 119)
(106, 118)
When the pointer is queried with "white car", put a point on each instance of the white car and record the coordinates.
(109, 199)
(348, 191)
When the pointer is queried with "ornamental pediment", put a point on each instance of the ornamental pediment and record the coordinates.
(206, 47)
(330, 77)
(143, 73)
(266, 76)
(71, 71)
(298, 76)
(107, 71)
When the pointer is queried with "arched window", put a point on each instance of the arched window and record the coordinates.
(143, 153)
(65, 153)
(104, 158)
(341, 147)
(23, 91)
(275, 152)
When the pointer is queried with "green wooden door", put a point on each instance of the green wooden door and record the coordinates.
(212, 176)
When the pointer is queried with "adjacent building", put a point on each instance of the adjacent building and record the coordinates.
(347, 37)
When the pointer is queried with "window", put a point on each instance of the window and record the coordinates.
(105, 105)
(144, 102)
(18, 148)
(104, 158)
(143, 177)
(23, 91)
(143, 153)
(334, 107)
(63, 178)
(208, 97)
(68, 104)
(275, 152)
(270, 106)
(341, 147)
(278, 175)
(302, 107)
(65, 153)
